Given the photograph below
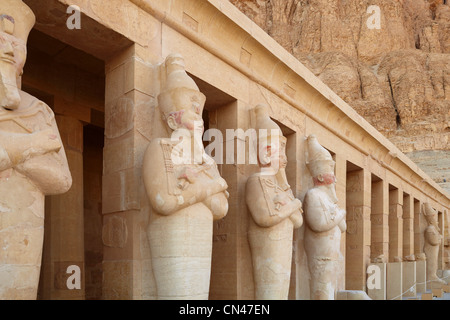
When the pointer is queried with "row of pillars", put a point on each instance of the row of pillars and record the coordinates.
(381, 218)
(384, 223)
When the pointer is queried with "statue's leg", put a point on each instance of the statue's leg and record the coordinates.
(181, 250)
(20, 259)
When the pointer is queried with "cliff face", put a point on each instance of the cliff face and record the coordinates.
(397, 76)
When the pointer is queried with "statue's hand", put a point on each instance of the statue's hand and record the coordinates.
(218, 204)
(45, 141)
(342, 225)
(297, 219)
(22, 147)
(281, 200)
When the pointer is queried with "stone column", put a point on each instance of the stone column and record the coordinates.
(231, 271)
(395, 224)
(358, 229)
(380, 219)
(131, 88)
(419, 241)
(341, 193)
(419, 226)
(408, 225)
(446, 240)
(441, 222)
(64, 224)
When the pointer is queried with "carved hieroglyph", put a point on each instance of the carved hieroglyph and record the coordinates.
(275, 213)
(32, 161)
(325, 222)
(185, 191)
(433, 240)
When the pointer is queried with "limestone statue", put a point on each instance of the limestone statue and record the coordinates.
(185, 190)
(275, 213)
(433, 240)
(32, 160)
(325, 222)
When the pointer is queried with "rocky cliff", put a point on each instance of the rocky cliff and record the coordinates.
(389, 59)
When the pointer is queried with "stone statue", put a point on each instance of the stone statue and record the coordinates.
(32, 161)
(433, 240)
(275, 213)
(185, 191)
(325, 222)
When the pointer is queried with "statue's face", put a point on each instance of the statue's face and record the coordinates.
(190, 106)
(272, 153)
(13, 52)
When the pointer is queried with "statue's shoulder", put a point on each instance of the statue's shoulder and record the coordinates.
(314, 193)
(315, 198)
(29, 102)
(253, 180)
(261, 180)
(257, 184)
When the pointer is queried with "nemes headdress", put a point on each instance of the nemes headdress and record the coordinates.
(318, 160)
(16, 18)
(177, 86)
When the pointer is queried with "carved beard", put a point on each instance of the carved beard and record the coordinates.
(9, 92)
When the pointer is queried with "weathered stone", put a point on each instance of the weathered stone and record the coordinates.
(401, 91)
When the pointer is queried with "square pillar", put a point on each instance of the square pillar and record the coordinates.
(379, 218)
(419, 226)
(358, 228)
(441, 222)
(64, 222)
(446, 240)
(395, 224)
(341, 192)
(132, 84)
(394, 280)
(408, 225)
(231, 270)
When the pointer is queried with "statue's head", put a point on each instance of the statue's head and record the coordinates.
(181, 101)
(431, 215)
(270, 143)
(320, 163)
(16, 22)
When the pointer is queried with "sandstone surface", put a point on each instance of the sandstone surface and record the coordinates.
(397, 76)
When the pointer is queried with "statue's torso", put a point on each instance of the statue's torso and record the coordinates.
(326, 243)
(17, 192)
